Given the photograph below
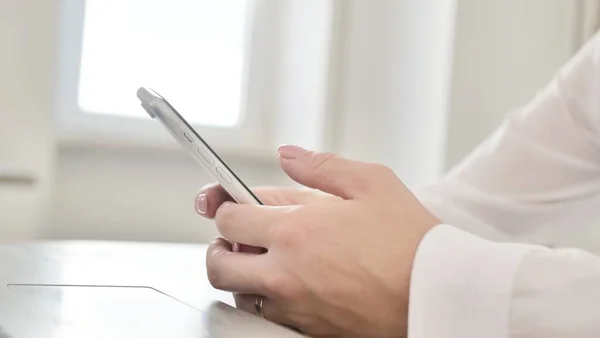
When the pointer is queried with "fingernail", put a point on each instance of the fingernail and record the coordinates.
(290, 152)
(201, 204)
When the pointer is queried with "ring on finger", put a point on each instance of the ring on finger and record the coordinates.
(259, 306)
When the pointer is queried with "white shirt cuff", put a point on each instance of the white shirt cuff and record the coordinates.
(461, 285)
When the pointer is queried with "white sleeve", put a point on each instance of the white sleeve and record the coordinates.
(463, 286)
(540, 169)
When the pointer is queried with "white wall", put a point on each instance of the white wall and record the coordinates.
(505, 51)
(27, 77)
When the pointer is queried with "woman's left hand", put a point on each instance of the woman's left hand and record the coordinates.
(336, 268)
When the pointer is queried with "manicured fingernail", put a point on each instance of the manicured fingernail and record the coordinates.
(201, 204)
(290, 152)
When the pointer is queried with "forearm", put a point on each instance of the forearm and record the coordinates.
(540, 169)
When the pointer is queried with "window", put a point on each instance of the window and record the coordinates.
(248, 74)
(190, 51)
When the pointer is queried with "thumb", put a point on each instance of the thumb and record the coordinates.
(332, 174)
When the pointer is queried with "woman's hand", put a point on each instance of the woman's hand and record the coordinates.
(212, 196)
(337, 265)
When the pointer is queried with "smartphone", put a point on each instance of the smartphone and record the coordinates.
(158, 108)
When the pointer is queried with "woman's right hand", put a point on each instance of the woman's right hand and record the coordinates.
(212, 196)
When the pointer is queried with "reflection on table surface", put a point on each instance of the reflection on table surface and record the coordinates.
(71, 289)
(176, 269)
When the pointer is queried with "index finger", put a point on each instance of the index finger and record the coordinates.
(250, 224)
(212, 196)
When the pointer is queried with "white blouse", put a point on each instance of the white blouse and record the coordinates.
(474, 277)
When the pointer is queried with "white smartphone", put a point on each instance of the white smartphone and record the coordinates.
(158, 108)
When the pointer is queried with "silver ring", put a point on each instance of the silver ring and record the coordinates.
(258, 306)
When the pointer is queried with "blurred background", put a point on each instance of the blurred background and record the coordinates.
(414, 84)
